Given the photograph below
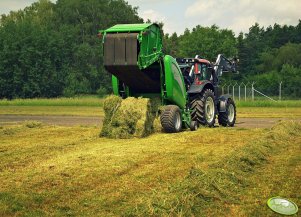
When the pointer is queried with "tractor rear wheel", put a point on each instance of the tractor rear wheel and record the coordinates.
(228, 118)
(203, 108)
(171, 119)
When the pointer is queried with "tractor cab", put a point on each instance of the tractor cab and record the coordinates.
(202, 70)
(196, 71)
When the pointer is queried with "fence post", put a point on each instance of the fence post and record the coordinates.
(253, 91)
(223, 89)
(233, 90)
(280, 86)
(239, 89)
(245, 92)
(239, 92)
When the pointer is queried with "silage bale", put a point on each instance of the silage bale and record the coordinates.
(131, 117)
(110, 105)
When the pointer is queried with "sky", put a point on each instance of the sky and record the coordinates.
(177, 15)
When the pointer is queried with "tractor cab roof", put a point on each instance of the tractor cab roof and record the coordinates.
(192, 60)
(203, 61)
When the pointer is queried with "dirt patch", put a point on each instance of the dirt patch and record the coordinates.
(260, 122)
(97, 121)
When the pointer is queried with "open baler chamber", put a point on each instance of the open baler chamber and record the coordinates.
(133, 55)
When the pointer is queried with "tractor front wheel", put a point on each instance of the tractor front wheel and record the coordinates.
(203, 108)
(228, 118)
(171, 119)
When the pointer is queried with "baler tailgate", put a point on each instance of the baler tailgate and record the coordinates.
(121, 49)
(121, 60)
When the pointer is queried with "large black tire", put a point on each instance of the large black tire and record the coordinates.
(200, 109)
(171, 119)
(228, 118)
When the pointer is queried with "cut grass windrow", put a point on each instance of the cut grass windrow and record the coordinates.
(70, 171)
(224, 183)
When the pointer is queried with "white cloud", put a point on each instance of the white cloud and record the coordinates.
(240, 15)
(152, 15)
(169, 25)
(14, 5)
(155, 16)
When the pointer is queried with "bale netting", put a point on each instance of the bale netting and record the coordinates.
(130, 117)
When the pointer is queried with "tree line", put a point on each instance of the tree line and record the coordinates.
(51, 49)
(266, 56)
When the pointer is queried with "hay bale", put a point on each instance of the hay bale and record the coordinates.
(131, 117)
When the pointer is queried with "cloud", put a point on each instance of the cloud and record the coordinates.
(14, 5)
(148, 2)
(155, 16)
(152, 15)
(240, 15)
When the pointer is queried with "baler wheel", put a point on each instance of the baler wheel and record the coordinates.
(203, 108)
(194, 125)
(228, 118)
(171, 119)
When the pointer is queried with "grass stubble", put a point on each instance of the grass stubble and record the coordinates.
(70, 171)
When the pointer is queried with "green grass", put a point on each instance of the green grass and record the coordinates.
(269, 103)
(52, 110)
(92, 106)
(269, 112)
(92, 101)
(242, 112)
(70, 171)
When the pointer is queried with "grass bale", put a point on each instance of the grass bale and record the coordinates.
(131, 117)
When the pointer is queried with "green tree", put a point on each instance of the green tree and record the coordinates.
(207, 42)
(49, 49)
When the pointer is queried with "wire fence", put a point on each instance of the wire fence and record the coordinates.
(248, 91)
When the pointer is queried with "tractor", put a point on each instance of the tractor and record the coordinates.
(187, 87)
(201, 78)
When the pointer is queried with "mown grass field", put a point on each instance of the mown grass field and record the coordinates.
(70, 171)
(92, 106)
(79, 106)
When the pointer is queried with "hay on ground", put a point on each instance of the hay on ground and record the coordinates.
(131, 117)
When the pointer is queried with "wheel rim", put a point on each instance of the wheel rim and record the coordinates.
(178, 121)
(230, 113)
(209, 109)
(195, 126)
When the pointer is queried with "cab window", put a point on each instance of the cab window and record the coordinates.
(202, 72)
